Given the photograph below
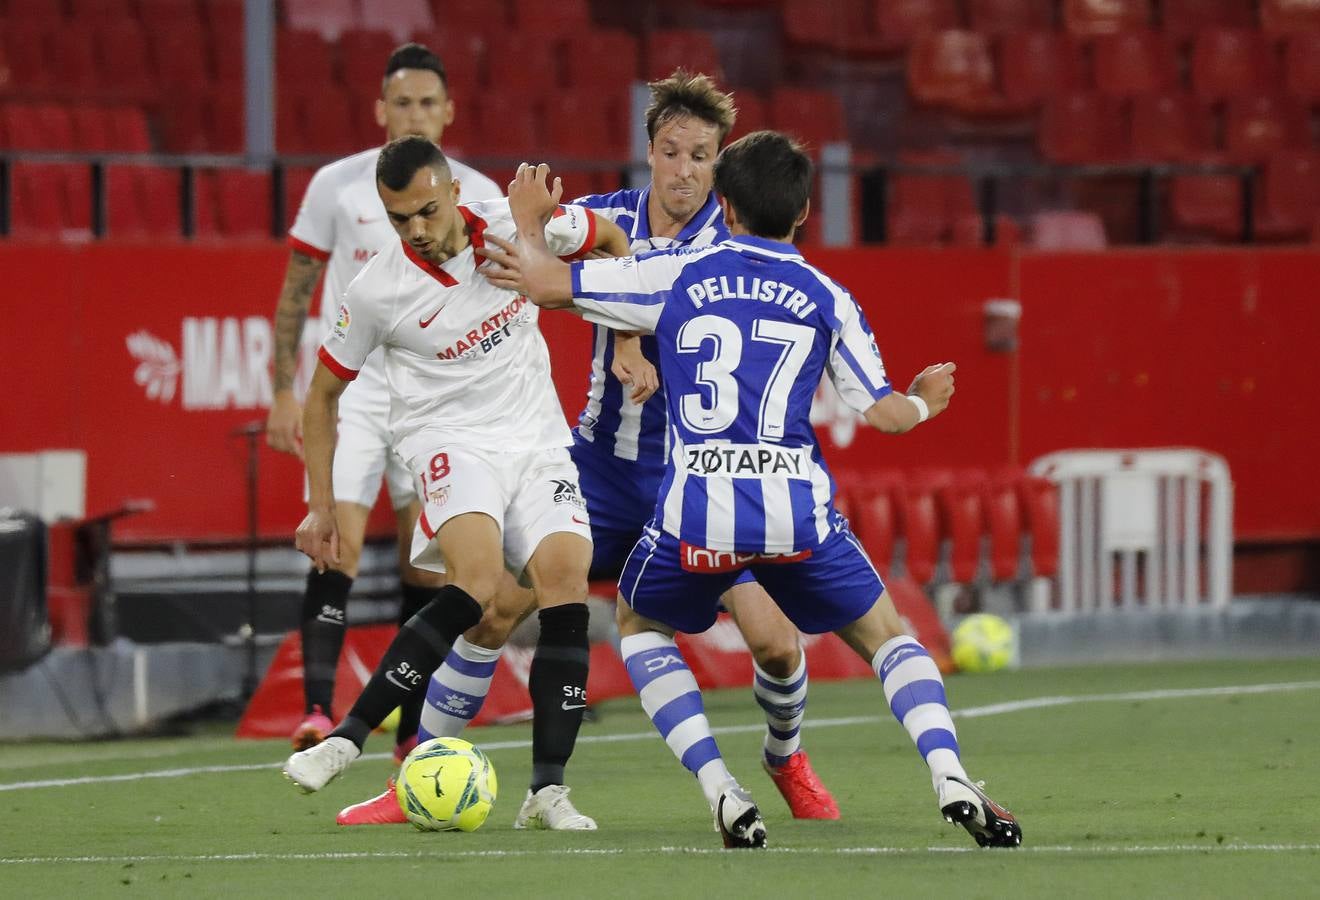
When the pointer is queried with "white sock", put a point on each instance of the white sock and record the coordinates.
(785, 703)
(671, 698)
(457, 690)
(915, 693)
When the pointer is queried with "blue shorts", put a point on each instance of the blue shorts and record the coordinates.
(835, 586)
(620, 496)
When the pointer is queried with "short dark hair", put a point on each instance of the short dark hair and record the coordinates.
(686, 93)
(415, 56)
(401, 158)
(766, 177)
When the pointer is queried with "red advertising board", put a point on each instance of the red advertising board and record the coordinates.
(150, 357)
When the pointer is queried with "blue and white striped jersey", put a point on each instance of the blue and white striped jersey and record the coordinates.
(745, 330)
(610, 420)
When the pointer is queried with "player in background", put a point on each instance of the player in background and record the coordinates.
(475, 414)
(746, 329)
(340, 224)
(619, 447)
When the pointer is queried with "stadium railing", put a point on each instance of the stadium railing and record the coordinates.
(853, 200)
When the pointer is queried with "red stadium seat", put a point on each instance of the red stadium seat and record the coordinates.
(1257, 127)
(919, 525)
(74, 60)
(181, 54)
(243, 203)
(25, 49)
(169, 14)
(900, 22)
(44, 12)
(1132, 63)
(1289, 16)
(954, 69)
(673, 48)
(51, 201)
(588, 126)
(206, 217)
(813, 117)
(961, 513)
(399, 17)
(506, 127)
(124, 61)
(303, 60)
(227, 56)
(1003, 525)
(328, 18)
(183, 126)
(1232, 62)
(296, 179)
(463, 54)
(103, 10)
(841, 26)
(1094, 17)
(226, 132)
(923, 208)
(38, 126)
(522, 63)
(1169, 128)
(123, 203)
(160, 200)
(1302, 66)
(1081, 128)
(329, 122)
(483, 17)
(601, 57)
(874, 517)
(1037, 65)
(1004, 17)
(362, 57)
(1040, 507)
(752, 114)
(969, 231)
(1291, 198)
(552, 21)
(1182, 19)
(1207, 205)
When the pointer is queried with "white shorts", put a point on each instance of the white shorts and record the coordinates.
(530, 495)
(364, 455)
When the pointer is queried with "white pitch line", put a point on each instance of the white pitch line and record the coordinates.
(352, 856)
(974, 712)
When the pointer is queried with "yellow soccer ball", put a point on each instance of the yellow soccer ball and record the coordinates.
(446, 784)
(984, 643)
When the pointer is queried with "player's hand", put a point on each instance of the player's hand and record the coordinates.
(530, 201)
(318, 537)
(633, 369)
(505, 269)
(284, 424)
(934, 384)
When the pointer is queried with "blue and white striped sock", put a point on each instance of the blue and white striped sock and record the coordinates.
(670, 696)
(785, 702)
(915, 693)
(457, 690)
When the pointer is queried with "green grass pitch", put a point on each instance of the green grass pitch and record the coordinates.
(1188, 780)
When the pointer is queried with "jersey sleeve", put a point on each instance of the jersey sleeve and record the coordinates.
(628, 293)
(571, 232)
(313, 230)
(855, 366)
(359, 328)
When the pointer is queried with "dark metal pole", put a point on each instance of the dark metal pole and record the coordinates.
(1147, 226)
(1249, 207)
(989, 201)
(100, 205)
(4, 197)
(187, 200)
(277, 210)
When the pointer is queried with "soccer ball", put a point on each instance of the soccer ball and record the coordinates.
(446, 784)
(984, 643)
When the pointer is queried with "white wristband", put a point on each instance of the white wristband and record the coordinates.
(923, 411)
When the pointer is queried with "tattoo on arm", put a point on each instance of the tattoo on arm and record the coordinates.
(291, 314)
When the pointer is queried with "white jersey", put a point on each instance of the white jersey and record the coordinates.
(465, 362)
(341, 220)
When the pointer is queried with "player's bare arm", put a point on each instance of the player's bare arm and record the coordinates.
(896, 413)
(632, 368)
(284, 422)
(318, 535)
(530, 268)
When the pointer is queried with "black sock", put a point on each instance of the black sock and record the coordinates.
(558, 684)
(416, 651)
(323, 606)
(415, 597)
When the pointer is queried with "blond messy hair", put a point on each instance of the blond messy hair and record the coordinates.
(687, 93)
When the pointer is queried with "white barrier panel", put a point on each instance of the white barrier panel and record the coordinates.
(1134, 531)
